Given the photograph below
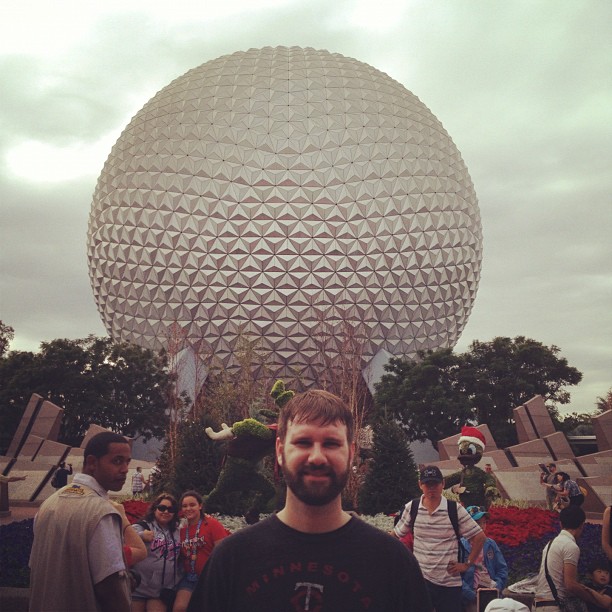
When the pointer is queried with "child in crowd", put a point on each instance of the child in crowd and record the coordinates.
(490, 570)
(598, 579)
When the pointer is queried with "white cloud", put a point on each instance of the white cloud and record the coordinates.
(523, 89)
(376, 15)
(41, 162)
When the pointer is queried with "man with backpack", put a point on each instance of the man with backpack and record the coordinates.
(438, 525)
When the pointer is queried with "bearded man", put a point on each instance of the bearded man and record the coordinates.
(312, 555)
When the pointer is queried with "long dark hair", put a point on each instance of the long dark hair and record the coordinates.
(150, 515)
(197, 496)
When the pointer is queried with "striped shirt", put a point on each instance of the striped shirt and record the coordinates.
(137, 482)
(435, 542)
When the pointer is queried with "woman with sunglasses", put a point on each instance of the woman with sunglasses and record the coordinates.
(199, 536)
(161, 571)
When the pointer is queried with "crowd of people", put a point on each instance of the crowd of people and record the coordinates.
(310, 555)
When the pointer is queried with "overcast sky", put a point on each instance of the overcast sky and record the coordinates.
(524, 89)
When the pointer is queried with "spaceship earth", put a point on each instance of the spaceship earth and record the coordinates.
(296, 196)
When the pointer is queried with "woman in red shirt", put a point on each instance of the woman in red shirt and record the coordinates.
(198, 538)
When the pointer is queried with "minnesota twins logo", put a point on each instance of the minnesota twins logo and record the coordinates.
(308, 597)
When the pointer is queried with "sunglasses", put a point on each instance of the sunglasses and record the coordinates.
(162, 508)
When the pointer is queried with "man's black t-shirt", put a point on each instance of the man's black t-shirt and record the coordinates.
(270, 567)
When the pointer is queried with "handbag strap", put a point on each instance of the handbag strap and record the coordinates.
(551, 584)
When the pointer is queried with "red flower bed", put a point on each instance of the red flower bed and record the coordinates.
(514, 526)
(135, 509)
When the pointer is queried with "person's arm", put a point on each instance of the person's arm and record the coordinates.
(135, 543)
(401, 529)
(500, 568)
(573, 587)
(605, 534)
(476, 542)
(468, 594)
(111, 594)
(218, 530)
(603, 600)
(130, 536)
(453, 479)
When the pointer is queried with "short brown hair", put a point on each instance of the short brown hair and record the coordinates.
(316, 405)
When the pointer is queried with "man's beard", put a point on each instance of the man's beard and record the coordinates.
(315, 493)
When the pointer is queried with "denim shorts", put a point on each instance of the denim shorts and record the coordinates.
(186, 585)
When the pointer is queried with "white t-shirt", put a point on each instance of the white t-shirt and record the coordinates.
(563, 549)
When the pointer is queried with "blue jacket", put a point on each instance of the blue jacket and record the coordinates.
(495, 564)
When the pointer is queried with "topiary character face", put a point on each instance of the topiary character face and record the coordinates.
(470, 453)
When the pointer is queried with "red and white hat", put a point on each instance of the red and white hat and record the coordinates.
(473, 435)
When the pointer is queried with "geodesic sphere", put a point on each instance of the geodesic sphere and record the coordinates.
(293, 195)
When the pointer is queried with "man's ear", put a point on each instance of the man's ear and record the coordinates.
(89, 464)
(352, 452)
(279, 452)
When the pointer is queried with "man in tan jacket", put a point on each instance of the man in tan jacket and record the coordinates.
(77, 561)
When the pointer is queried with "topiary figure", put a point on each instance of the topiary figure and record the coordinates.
(242, 488)
(474, 486)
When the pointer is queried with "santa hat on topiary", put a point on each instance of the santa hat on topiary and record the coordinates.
(473, 435)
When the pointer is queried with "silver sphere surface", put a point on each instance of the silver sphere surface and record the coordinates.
(297, 196)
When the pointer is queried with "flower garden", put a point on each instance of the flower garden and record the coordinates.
(521, 534)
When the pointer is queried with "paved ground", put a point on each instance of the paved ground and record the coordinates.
(18, 513)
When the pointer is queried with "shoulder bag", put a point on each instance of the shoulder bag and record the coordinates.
(567, 604)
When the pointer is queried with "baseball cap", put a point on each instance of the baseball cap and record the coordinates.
(431, 473)
(506, 605)
(476, 512)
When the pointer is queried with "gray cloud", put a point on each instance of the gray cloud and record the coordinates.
(523, 88)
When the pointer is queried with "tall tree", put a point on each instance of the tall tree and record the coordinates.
(7, 333)
(434, 396)
(17, 381)
(95, 380)
(604, 403)
(577, 424)
(197, 462)
(425, 395)
(504, 373)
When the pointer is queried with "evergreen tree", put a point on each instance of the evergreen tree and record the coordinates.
(392, 479)
(198, 462)
(116, 385)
